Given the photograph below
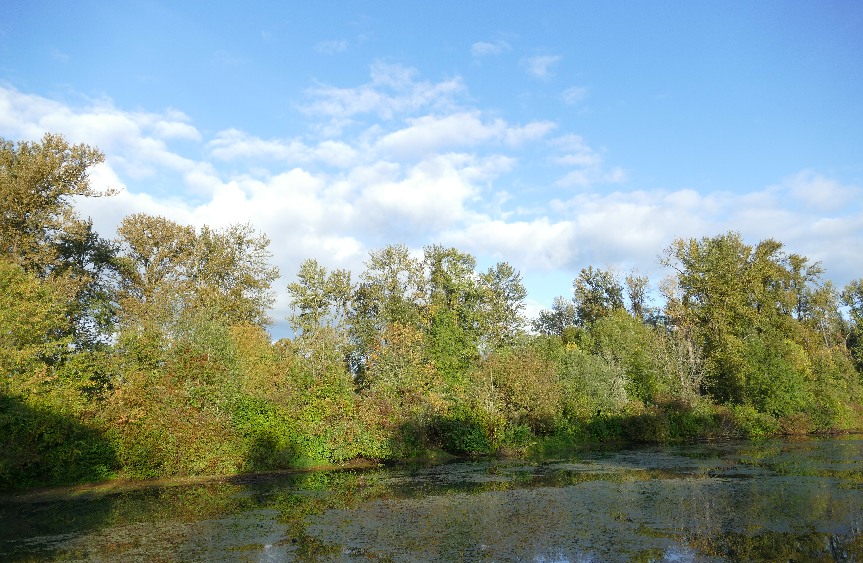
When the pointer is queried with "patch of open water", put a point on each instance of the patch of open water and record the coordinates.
(703, 502)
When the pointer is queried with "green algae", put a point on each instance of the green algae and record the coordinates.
(728, 501)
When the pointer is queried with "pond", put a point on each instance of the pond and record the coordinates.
(730, 501)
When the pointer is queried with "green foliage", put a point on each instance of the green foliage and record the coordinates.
(469, 431)
(852, 297)
(733, 300)
(753, 424)
(148, 356)
(32, 320)
(628, 343)
(776, 375)
(43, 445)
(591, 386)
(648, 425)
(596, 294)
(525, 385)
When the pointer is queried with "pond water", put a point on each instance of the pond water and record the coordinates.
(706, 502)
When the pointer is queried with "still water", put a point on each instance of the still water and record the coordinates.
(706, 502)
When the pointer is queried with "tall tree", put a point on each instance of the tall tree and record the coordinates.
(636, 291)
(596, 294)
(391, 290)
(852, 297)
(503, 304)
(319, 299)
(169, 270)
(739, 303)
(560, 319)
(454, 310)
(38, 182)
(41, 231)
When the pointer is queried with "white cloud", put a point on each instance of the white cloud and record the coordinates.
(487, 48)
(574, 95)
(430, 133)
(573, 151)
(430, 196)
(434, 172)
(136, 141)
(332, 47)
(541, 244)
(232, 144)
(393, 90)
(540, 66)
(826, 194)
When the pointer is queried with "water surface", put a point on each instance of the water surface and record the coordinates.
(707, 502)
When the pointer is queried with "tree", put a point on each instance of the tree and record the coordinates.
(37, 184)
(739, 304)
(32, 320)
(503, 304)
(154, 255)
(319, 299)
(561, 318)
(455, 298)
(168, 271)
(636, 291)
(231, 275)
(852, 297)
(597, 293)
(392, 289)
(41, 232)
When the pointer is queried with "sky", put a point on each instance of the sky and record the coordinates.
(552, 135)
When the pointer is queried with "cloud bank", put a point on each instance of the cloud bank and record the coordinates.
(402, 159)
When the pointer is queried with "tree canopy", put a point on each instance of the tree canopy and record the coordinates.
(148, 355)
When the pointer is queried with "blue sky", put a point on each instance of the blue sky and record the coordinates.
(553, 135)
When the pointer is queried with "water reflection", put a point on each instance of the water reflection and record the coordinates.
(735, 501)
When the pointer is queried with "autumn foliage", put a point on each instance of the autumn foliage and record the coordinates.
(147, 355)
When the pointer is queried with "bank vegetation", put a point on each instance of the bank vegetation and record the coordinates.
(147, 355)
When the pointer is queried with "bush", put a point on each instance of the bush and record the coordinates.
(44, 446)
(650, 425)
(526, 384)
(753, 424)
(590, 385)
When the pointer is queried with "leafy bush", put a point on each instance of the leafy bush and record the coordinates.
(43, 445)
(751, 423)
(590, 385)
(526, 385)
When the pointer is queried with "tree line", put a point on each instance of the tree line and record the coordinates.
(148, 355)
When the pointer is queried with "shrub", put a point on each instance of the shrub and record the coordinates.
(590, 385)
(753, 424)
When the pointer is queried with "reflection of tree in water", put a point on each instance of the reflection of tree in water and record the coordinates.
(790, 502)
(781, 546)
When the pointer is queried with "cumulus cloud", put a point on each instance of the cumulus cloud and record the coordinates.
(488, 48)
(232, 144)
(540, 66)
(541, 244)
(432, 133)
(813, 189)
(137, 141)
(431, 171)
(572, 151)
(393, 90)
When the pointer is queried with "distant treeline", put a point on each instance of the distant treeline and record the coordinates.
(147, 355)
